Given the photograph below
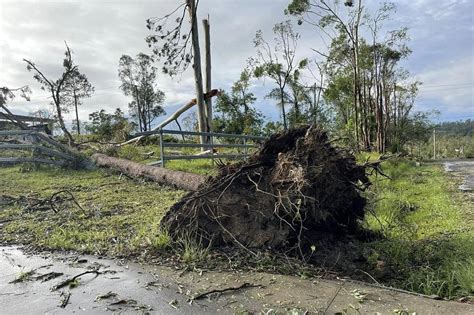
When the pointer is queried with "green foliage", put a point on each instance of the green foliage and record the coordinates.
(109, 126)
(234, 112)
(278, 62)
(138, 78)
(428, 236)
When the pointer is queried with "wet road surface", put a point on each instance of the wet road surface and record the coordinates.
(463, 168)
(128, 288)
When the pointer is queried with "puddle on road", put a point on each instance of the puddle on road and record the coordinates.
(45, 283)
(464, 169)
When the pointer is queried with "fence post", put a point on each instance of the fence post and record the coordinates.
(211, 138)
(245, 148)
(162, 149)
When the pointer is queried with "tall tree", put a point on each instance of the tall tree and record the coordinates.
(76, 88)
(179, 48)
(327, 15)
(234, 111)
(277, 63)
(366, 84)
(56, 88)
(138, 78)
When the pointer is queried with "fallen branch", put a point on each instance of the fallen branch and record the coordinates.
(65, 296)
(70, 280)
(48, 276)
(173, 117)
(246, 285)
(52, 200)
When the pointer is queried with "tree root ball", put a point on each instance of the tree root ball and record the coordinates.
(295, 190)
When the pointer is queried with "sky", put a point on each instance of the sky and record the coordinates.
(99, 32)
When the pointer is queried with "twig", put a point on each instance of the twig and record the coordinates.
(65, 296)
(333, 298)
(368, 275)
(53, 196)
(68, 281)
(243, 286)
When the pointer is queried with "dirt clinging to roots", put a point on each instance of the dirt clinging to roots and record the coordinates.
(297, 189)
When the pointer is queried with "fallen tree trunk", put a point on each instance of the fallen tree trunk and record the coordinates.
(182, 180)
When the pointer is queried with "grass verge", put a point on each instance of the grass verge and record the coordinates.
(427, 242)
(428, 231)
(118, 216)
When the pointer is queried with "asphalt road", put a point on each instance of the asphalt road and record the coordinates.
(463, 168)
(128, 288)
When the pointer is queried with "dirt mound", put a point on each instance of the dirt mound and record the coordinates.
(296, 189)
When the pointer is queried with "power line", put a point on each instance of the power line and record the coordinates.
(437, 85)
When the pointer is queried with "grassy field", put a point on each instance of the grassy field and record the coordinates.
(427, 242)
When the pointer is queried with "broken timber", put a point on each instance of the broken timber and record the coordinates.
(183, 180)
(173, 117)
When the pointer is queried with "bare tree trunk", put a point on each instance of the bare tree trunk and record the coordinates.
(197, 68)
(207, 41)
(282, 96)
(77, 113)
(183, 180)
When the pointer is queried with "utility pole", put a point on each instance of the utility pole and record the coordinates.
(434, 144)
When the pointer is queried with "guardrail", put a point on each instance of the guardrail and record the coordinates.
(248, 142)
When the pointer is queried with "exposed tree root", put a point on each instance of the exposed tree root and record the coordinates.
(296, 190)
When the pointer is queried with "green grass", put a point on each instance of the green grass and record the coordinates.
(121, 216)
(428, 231)
(427, 242)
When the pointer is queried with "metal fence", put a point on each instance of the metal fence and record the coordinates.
(247, 143)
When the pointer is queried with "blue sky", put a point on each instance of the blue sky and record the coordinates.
(100, 31)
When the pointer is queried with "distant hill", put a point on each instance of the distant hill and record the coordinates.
(457, 128)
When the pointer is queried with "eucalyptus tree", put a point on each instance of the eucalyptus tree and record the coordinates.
(278, 62)
(235, 113)
(178, 46)
(333, 23)
(138, 76)
(76, 88)
(56, 88)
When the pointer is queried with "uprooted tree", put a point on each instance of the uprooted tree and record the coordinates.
(295, 190)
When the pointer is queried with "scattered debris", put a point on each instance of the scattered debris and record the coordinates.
(124, 301)
(360, 296)
(73, 279)
(246, 285)
(174, 304)
(24, 276)
(65, 296)
(130, 303)
(107, 295)
(48, 276)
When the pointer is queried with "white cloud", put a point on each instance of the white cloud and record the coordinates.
(100, 31)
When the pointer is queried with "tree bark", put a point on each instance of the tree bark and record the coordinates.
(208, 78)
(197, 68)
(182, 180)
(173, 117)
(77, 113)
